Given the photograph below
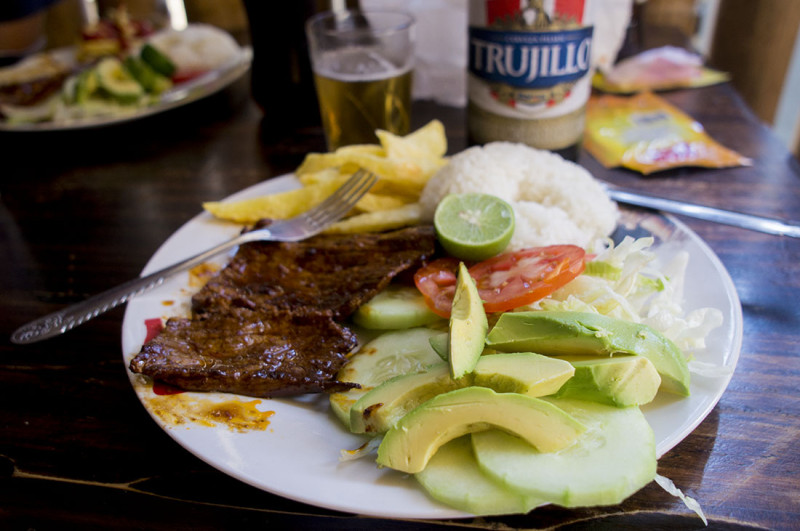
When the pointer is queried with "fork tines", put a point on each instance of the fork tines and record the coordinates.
(343, 199)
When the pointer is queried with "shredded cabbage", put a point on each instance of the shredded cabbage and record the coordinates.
(667, 484)
(368, 448)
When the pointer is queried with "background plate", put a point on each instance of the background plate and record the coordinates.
(182, 94)
(298, 455)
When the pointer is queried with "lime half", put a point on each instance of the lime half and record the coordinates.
(474, 226)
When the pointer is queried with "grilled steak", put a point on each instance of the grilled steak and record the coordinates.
(245, 354)
(328, 274)
(265, 324)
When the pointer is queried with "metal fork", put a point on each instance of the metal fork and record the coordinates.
(294, 229)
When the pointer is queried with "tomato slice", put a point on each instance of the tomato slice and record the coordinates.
(506, 281)
(437, 283)
(512, 280)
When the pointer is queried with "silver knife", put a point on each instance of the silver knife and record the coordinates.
(717, 215)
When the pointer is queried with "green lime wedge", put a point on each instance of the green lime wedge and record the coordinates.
(474, 226)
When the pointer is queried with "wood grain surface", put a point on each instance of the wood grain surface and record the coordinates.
(82, 211)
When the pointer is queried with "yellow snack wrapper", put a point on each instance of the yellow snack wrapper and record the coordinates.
(664, 68)
(707, 77)
(647, 134)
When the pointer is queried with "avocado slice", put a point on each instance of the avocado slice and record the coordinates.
(388, 355)
(525, 373)
(559, 333)
(410, 444)
(382, 407)
(439, 344)
(619, 381)
(115, 81)
(468, 325)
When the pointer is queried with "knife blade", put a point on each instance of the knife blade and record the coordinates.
(707, 213)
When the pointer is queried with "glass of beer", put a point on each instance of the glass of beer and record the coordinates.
(362, 63)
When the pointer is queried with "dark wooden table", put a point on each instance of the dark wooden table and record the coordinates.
(82, 211)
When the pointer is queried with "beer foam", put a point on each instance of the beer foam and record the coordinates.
(356, 64)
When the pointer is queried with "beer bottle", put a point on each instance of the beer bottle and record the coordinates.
(529, 73)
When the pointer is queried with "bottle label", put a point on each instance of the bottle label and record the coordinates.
(529, 61)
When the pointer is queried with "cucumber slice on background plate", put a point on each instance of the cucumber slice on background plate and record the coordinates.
(118, 82)
(157, 60)
(613, 459)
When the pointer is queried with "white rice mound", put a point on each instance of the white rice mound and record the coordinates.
(199, 47)
(555, 201)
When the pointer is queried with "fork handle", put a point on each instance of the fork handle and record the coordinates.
(64, 320)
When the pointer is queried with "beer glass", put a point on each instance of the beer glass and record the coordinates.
(362, 63)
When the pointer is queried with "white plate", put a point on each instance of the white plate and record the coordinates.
(179, 95)
(298, 455)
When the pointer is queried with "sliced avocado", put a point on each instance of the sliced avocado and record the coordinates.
(468, 325)
(410, 444)
(439, 344)
(115, 81)
(525, 373)
(453, 477)
(612, 459)
(559, 333)
(157, 60)
(395, 308)
(382, 407)
(619, 381)
(388, 355)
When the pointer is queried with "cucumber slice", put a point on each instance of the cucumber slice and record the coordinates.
(157, 60)
(453, 477)
(152, 81)
(117, 82)
(614, 458)
(390, 354)
(85, 85)
(395, 308)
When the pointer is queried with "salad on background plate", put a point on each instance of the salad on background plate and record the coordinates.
(120, 70)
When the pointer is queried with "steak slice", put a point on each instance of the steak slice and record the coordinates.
(324, 275)
(246, 354)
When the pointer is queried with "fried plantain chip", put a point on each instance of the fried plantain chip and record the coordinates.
(282, 205)
(377, 202)
(403, 165)
(405, 216)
